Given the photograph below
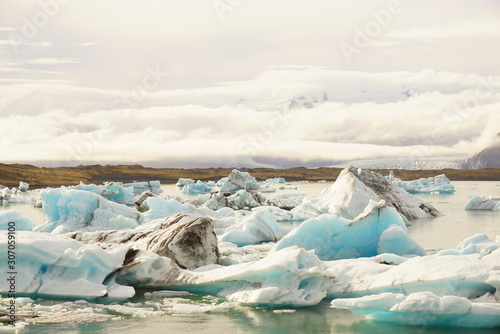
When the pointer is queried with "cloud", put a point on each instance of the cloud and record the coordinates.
(461, 30)
(426, 114)
(54, 61)
(87, 44)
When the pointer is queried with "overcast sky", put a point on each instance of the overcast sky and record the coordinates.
(247, 82)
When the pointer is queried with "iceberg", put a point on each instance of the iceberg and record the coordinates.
(197, 188)
(424, 309)
(239, 181)
(483, 203)
(379, 229)
(70, 210)
(54, 265)
(478, 244)
(11, 218)
(190, 243)
(162, 208)
(182, 182)
(286, 201)
(260, 226)
(289, 277)
(437, 184)
(276, 180)
(349, 195)
(241, 199)
(469, 276)
(140, 187)
(23, 186)
(112, 191)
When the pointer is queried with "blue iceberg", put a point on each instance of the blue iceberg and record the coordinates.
(54, 265)
(14, 219)
(70, 210)
(379, 229)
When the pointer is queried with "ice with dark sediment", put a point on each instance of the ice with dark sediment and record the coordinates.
(354, 188)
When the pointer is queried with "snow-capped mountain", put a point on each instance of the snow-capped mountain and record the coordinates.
(394, 163)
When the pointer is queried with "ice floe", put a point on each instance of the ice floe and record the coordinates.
(112, 191)
(437, 184)
(55, 265)
(468, 276)
(424, 308)
(483, 203)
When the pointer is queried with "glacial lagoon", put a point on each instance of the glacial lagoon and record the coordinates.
(161, 313)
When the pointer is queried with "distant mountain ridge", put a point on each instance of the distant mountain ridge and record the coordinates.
(487, 158)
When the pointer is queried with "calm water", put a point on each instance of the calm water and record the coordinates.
(438, 233)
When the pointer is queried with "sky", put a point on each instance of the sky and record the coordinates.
(232, 83)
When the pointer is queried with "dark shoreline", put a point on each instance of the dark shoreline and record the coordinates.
(39, 177)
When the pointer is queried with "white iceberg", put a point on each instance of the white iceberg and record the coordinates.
(258, 227)
(276, 180)
(424, 309)
(183, 181)
(349, 195)
(70, 210)
(286, 201)
(241, 199)
(469, 276)
(54, 265)
(437, 184)
(140, 187)
(483, 203)
(478, 244)
(14, 220)
(291, 276)
(23, 186)
(379, 229)
(239, 181)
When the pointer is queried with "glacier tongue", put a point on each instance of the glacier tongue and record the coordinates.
(424, 308)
